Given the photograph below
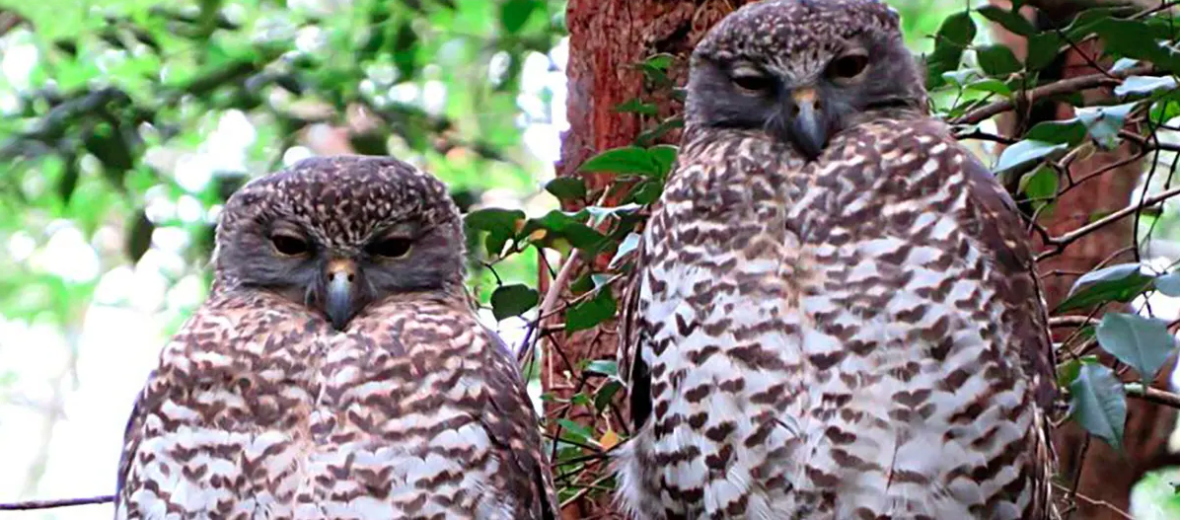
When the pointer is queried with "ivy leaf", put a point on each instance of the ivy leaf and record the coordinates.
(592, 312)
(952, 38)
(1169, 284)
(1010, 20)
(1143, 343)
(997, 60)
(1099, 403)
(1120, 283)
(567, 188)
(513, 300)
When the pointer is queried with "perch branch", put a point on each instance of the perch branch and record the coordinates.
(50, 504)
(1153, 395)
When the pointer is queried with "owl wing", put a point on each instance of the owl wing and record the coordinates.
(632, 360)
(509, 400)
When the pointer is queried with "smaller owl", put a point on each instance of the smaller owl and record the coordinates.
(336, 370)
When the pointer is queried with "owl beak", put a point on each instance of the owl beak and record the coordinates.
(341, 300)
(807, 130)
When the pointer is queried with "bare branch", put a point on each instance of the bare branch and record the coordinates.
(50, 504)
(1064, 240)
(1154, 395)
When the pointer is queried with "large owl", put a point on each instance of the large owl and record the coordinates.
(835, 314)
(336, 370)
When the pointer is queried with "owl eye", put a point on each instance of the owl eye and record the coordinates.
(751, 79)
(392, 247)
(289, 244)
(848, 67)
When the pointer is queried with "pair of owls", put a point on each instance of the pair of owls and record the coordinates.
(834, 316)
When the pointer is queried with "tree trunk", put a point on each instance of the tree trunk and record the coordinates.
(607, 38)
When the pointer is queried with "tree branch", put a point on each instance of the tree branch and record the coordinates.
(1067, 86)
(50, 504)
(1153, 395)
(1062, 241)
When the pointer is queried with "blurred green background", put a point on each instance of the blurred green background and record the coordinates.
(124, 125)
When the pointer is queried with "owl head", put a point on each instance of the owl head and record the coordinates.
(802, 70)
(339, 233)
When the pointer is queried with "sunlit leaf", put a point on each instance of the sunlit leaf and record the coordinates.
(1142, 85)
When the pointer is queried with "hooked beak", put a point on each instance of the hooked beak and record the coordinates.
(808, 129)
(341, 293)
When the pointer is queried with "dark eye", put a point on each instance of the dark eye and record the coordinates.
(847, 67)
(392, 247)
(752, 80)
(289, 245)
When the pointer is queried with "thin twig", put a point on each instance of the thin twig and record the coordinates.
(1153, 395)
(1093, 502)
(50, 504)
(1064, 240)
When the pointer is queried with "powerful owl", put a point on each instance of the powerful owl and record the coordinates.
(835, 314)
(336, 370)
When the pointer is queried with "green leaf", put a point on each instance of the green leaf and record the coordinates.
(588, 314)
(513, 300)
(1139, 40)
(1068, 371)
(628, 159)
(1143, 85)
(606, 394)
(515, 13)
(606, 367)
(997, 60)
(1103, 123)
(636, 106)
(1119, 283)
(578, 432)
(1099, 403)
(1040, 185)
(499, 223)
(991, 86)
(664, 156)
(1169, 284)
(1010, 20)
(139, 236)
(952, 38)
(1028, 152)
(568, 226)
(1143, 343)
(567, 188)
(1042, 50)
(1069, 131)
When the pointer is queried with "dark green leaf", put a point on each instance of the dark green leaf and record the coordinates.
(569, 227)
(1069, 132)
(1099, 403)
(990, 85)
(590, 313)
(514, 14)
(139, 236)
(501, 225)
(636, 106)
(577, 432)
(513, 300)
(664, 156)
(68, 180)
(1040, 186)
(605, 394)
(1010, 20)
(997, 60)
(567, 188)
(1042, 50)
(952, 38)
(1139, 40)
(1119, 283)
(1143, 343)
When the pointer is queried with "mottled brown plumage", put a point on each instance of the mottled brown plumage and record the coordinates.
(336, 371)
(835, 313)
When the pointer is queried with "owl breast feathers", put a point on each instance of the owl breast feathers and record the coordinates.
(834, 313)
(336, 371)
